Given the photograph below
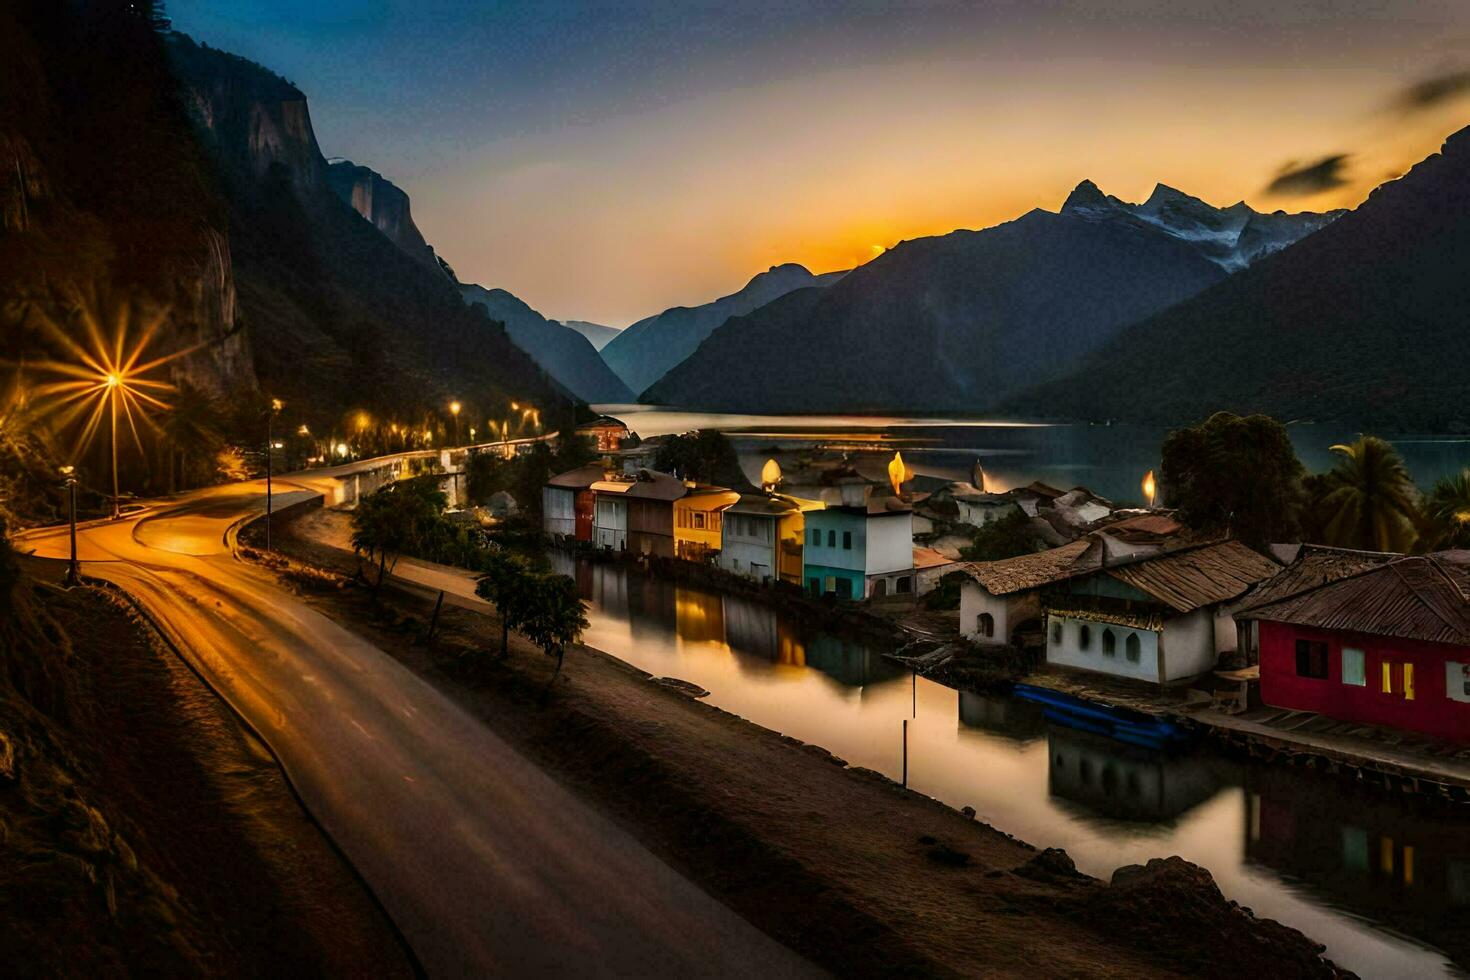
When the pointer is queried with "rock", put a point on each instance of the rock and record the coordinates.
(942, 853)
(968, 811)
(1049, 864)
(682, 686)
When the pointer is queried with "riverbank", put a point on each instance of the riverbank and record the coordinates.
(854, 872)
(1393, 761)
(146, 832)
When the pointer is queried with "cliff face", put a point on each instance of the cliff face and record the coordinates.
(103, 195)
(343, 312)
(383, 203)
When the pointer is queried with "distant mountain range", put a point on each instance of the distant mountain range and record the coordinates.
(643, 352)
(961, 321)
(1232, 237)
(563, 352)
(597, 334)
(1367, 321)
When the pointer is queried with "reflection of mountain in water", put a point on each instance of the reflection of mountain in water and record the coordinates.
(1021, 721)
(1125, 782)
(1376, 857)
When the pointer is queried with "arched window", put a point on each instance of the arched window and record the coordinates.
(1132, 648)
(1084, 637)
(1056, 632)
(985, 624)
(1110, 644)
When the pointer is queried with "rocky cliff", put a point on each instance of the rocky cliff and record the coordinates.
(384, 204)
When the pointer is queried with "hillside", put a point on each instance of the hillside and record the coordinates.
(646, 350)
(951, 322)
(338, 315)
(564, 353)
(1363, 322)
(384, 204)
(597, 334)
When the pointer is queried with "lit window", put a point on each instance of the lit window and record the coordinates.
(1408, 682)
(1354, 669)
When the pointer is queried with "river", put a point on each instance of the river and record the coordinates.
(1380, 881)
(1109, 459)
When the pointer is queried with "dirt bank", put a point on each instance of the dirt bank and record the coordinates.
(145, 832)
(849, 869)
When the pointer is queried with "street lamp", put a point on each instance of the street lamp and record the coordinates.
(73, 571)
(270, 444)
(454, 407)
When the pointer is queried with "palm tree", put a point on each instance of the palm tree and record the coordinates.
(191, 430)
(1447, 512)
(1372, 504)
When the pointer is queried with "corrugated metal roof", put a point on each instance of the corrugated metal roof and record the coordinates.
(1032, 571)
(1197, 577)
(1420, 597)
(1315, 566)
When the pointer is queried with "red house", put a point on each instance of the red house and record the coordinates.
(567, 501)
(1385, 644)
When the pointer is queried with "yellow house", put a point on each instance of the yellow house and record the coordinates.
(698, 519)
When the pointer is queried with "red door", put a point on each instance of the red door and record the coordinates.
(584, 503)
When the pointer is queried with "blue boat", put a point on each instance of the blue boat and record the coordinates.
(1122, 724)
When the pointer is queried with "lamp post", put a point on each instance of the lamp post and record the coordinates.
(270, 438)
(454, 407)
(112, 382)
(73, 570)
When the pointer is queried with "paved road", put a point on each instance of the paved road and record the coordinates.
(488, 865)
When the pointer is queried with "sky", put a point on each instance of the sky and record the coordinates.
(606, 161)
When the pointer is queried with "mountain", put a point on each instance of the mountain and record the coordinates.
(642, 353)
(384, 204)
(1232, 237)
(338, 314)
(597, 335)
(566, 355)
(951, 322)
(1363, 322)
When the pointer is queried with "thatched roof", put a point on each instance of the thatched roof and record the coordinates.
(1193, 578)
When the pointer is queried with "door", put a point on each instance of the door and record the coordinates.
(1396, 679)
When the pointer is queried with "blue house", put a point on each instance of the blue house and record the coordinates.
(854, 551)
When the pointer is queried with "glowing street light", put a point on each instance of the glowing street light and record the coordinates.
(341, 449)
(73, 570)
(270, 444)
(454, 407)
(1149, 487)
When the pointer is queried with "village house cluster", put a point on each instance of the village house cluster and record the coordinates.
(1372, 638)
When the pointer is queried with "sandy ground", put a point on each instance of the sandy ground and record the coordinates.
(842, 865)
(245, 883)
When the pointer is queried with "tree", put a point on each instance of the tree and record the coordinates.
(1234, 475)
(1005, 538)
(504, 584)
(192, 432)
(1447, 512)
(554, 617)
(704, 455)
(400, 517)
(1371, 503)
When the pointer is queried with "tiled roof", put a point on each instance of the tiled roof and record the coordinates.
(1313, 567)
(1032, 571)
(929, 558)
(1193, 578)
(1420, 597)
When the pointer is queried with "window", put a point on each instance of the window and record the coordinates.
(698, 521)
(1311, 659)
(1056, 632)
(1084, 637)
(1354, 671)
(844, 588)
(1109, 644)
(816, 536)
(905, 585)
(1386, 669)
(1133, 648)
(1457, 681)
(831, 539)
(846, 540)
(1408, 682)
(985, 625)
(814, 585)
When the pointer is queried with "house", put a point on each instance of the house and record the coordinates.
(606, 432)
(567, 503)
(858, 550)
(610, 514)
(1002, 597)
(929, 567)
(762, 536)
(650, 501)
(978, 508)
(1386, 645)
(1161, 618)
(698, 519)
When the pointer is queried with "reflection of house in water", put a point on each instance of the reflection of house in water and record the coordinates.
(850, 663)
(1378, 858)
(758, 631)
(699, 617)
(1020, 720)
(1124, 781)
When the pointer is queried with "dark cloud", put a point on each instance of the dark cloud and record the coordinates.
(1298, 180)
(1433, 91)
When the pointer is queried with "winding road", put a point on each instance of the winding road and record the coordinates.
(487, 865)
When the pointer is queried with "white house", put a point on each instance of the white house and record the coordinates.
(1003, 596)
(559, 509)
(855, 551)
(761, 537)
(610, 514)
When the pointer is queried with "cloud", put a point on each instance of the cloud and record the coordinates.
(1299, 180)
(1433, 91)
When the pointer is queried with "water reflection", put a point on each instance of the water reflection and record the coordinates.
(1291, 845)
